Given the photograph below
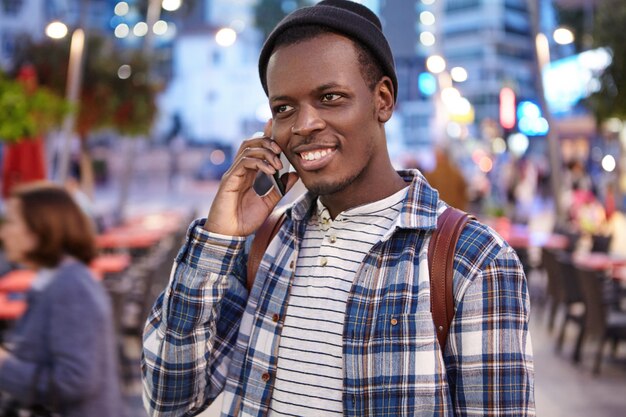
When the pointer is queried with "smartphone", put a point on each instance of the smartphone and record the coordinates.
(263, 183)
(275, 178)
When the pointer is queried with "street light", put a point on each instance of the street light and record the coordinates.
(542, 51)
(171, 5)
(226, 37)
(58, 30)
(435, 64)
(563, 36)
(458, 74)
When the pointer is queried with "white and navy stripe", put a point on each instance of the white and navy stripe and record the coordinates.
(309, 378)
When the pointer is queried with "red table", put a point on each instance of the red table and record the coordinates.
(128, 238)
(11, 309)
(520, 236)
(615, 266)
(166, 221)
(619, 273)
(18, 280)
(110, 263)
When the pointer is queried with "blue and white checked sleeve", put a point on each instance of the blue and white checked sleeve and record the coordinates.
(489, 354)
(193, 326)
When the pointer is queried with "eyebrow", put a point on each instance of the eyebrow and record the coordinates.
(316, 90)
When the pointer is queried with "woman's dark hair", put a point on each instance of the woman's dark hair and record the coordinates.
(60, 225)
(371, 71)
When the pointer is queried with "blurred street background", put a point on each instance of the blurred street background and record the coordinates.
(513, 109)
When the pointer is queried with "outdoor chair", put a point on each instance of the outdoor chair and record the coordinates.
(573, 303)
(554, 288)
(601, 322)
(600, 243)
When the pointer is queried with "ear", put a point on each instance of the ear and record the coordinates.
(384, 98)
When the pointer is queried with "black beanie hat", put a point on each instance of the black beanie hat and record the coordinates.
(343, 16)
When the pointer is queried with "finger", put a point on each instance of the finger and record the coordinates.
(267, 130)
(260, 141)
(247, 165)
(264, 154)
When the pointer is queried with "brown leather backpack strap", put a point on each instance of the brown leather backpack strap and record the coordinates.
(440, 265)
(261, 241)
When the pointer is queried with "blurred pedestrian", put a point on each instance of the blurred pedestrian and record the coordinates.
(338, 321)
(448, 179)
(62, 353)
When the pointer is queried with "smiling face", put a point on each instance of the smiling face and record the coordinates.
(327, 120)
(18, 240)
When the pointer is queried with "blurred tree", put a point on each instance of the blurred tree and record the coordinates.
(609, 25)
(115, 91)
(24, 114)
(27, 112)
(269, 12)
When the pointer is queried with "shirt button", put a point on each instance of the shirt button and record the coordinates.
(291, 264)
(275, 318)
(394, 321)
(265, 377)
(323, 262)
(332, 238)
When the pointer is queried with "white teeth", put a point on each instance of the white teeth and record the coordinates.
(312, 156)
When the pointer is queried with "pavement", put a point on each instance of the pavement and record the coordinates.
(562, 389)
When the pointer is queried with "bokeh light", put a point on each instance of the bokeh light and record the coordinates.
(140, 29)
(160, 27)
(124, 72)
(171, 5)
(608, 163)
(225, 37)
(122, 30)
(121, 8)
(436, 64)
(427, 38)
(56, 30)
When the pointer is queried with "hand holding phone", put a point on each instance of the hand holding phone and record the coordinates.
(263, 183)
(276, 178)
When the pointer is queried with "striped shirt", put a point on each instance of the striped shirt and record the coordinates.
(206, 335)
(309, 374)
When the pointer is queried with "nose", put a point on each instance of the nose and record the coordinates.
(308, 121)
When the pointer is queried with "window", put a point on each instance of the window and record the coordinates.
(517, 23)
(12, 7)
(462, 5)
(471, 54)
(7, 45)
(519, 5)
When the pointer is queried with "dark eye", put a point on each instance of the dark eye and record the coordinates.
(330, 97)
(282, 108)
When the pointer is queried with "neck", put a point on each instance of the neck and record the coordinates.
(359, 193)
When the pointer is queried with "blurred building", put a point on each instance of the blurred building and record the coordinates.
(494, 42)
(214, 90)
(414, 107)
(29, 18)
(20, 18)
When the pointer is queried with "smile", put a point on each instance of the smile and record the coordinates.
(316, 159)
(315, 155)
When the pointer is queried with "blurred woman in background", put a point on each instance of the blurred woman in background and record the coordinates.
(62, 353)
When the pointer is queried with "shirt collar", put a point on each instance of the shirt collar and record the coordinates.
(419, 209)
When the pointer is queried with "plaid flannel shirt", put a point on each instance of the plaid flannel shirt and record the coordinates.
(206, 336)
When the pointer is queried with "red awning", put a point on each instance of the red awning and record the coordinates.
(23, 162)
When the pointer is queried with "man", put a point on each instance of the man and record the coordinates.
(338, 321)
